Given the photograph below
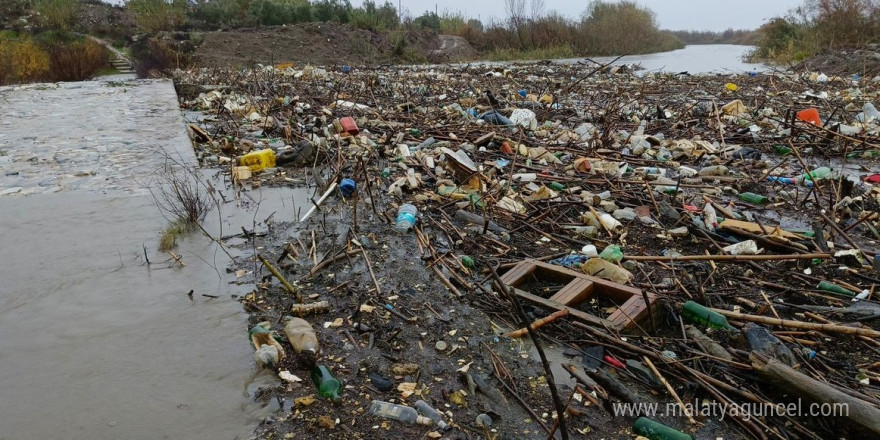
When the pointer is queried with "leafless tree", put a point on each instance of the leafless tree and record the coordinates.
(537, 7)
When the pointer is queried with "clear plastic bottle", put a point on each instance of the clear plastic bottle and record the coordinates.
(431, 413)
(302, 337)
(401, 413)
(406, 218)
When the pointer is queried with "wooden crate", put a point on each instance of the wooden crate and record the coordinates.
(581, 287)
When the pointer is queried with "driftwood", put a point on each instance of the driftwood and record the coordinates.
(307, 309)
(707, 344)
(830, 328)
(615, 387)
(795, 382)
(727, 257)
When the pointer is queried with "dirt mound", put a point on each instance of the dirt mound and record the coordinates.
(326, 44)
(864, 62)
(104, 20)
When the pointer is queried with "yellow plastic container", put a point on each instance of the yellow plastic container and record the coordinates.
(259, 160)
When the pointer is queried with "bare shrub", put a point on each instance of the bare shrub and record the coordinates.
(179, 193)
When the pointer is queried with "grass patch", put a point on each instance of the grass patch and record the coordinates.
(174, 230)
(107, 71)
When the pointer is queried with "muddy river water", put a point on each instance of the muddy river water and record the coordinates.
(93, 342)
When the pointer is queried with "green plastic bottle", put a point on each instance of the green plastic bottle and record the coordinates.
(467, 261)
(755, 199)
(867, 154)
(834, 288)
(327, 385)
(612, 253)
(818, 174)
(707, 318)
(658, 431)
(782, 150)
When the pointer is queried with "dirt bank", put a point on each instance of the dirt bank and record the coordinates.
(326, 44)
(688, 166)
(864, 62)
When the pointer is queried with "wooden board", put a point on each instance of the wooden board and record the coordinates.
(581, 287)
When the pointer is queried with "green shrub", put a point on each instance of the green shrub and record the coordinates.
(56, 14)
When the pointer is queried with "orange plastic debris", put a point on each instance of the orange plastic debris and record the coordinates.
(810, 115)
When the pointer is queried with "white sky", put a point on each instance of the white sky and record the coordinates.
(713, 15)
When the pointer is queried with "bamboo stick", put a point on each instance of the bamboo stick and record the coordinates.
(727, 257)
(832, 328)
(538, 323)
(280, 277)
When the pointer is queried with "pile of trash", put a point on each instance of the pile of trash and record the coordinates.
(676, 238)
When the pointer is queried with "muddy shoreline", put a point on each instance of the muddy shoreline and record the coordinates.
(701, 144)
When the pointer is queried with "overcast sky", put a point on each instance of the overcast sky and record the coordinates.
(715, 15)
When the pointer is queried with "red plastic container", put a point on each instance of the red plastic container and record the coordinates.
(810, 115)
(349, 126)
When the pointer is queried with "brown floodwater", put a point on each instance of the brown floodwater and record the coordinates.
(93, 342)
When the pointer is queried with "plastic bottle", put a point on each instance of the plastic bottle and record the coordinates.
(710, 218)
(707, 318)
(612, 253)
(610, 223)
(426, 143)
(870, 112)
(834, 288)
(658, 431)
(327, 385)
(716, 170)
(782, 150)
(347, 187)
(556, 186)
(406, 218)
(467, 261)
(302, 337)
(785, 180)
(755, 199)
(817, 174)
(432, 414)
(401, 413)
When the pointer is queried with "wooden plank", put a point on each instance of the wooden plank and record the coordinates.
(631, 312)
(618, 292)
(515, 276)
(573, 312)
(575, 292)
